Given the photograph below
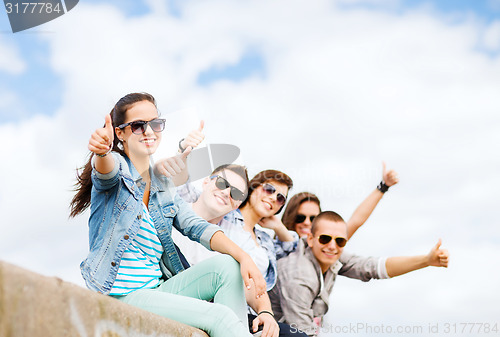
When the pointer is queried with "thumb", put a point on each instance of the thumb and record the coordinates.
(255, 324)
(108, 124)
(384, 170)
(246, 281)
(186, 152)
(202, 124)
(438, 244)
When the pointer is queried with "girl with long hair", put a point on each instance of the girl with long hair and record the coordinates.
(132, 212)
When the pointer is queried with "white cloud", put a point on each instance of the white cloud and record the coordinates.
(343, 90)
(10, 60)
(491, 37)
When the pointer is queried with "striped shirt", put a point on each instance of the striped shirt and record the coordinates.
(139, 266)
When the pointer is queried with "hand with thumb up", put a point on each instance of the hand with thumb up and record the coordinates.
(101, 140)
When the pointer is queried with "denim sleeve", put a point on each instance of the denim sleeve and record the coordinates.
(193, 226)
(283, 248)
(361, 267)
(103, 182)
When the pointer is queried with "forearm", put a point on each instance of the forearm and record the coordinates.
(399, 265)
(222, 244)
(283, 234)
(258, 304)
(104, 164)
(363, 212)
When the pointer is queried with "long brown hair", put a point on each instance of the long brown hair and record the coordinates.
(265, 176)
(292, 208)
(83, 185)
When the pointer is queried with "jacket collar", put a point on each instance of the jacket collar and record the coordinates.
(158, 184)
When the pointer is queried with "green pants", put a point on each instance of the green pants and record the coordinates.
(184, 298)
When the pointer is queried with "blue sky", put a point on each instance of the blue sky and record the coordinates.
(39, 84)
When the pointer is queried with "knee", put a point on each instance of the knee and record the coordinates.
(227, 264)
(224, 318)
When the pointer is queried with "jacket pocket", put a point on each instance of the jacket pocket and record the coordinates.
(169, 211)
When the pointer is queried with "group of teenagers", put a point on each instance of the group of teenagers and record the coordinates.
(198, 256)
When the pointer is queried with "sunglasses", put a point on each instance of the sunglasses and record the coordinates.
(222, 184)
(301, 218)
(325, 239)
(139, 127)
(270, 190)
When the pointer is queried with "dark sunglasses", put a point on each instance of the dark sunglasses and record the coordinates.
(270, 189)
(325, 239)
(139, 127)
(222, 184)
(301, 218)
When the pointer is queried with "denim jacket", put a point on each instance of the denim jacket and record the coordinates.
(115, 216)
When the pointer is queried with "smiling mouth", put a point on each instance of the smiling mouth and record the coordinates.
(270, 207)
(220, 199)
(330, 254)
(148, 141)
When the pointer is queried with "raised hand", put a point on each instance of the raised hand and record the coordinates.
(101, 140)
(172, 166)
(438, 257)
(389, 177)
(194, 138)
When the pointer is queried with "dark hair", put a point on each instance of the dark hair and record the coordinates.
(265, 176)
(293, 206)
(326, 215)
(83, 185)
(238, 169)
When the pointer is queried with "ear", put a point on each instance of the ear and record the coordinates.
(119, 133)
(310, 240)
(205, 182)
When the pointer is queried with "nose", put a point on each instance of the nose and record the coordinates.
(149, 130)
(226, 191)
(333, 246)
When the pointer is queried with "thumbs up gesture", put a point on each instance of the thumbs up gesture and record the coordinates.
(390, 177)
(438, 257)
(101, 140)
(194, 138)
(172, 166)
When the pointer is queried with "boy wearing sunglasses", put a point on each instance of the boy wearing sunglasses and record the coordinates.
(306, 276)
(221, 193)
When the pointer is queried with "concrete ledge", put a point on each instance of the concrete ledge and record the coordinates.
(33, 305)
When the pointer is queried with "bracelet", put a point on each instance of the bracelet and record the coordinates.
(180, 146)
(382, 187)
(104, 155)
(265, 312)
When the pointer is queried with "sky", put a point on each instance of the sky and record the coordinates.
(322, 90)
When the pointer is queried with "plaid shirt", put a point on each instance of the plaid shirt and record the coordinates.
(275, 249)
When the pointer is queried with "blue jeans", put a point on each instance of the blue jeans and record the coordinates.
(184, 298)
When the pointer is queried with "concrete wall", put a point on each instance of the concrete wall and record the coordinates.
(32, 305)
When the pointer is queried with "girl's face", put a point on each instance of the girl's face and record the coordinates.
(306, 213)
(265, 204)
(145, 143)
